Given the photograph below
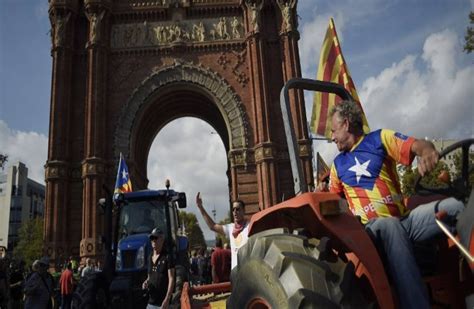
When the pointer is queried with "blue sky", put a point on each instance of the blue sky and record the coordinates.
(405, 58)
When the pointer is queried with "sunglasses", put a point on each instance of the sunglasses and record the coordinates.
(236, 208)
(154, 238)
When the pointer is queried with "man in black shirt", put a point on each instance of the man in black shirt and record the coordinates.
(161, 273)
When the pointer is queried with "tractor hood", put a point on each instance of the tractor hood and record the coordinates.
(134, 242)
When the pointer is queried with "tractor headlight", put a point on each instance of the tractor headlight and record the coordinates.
(140, 261)
(332, 207)
(118, 260)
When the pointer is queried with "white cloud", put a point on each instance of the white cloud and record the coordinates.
(426, 95)
(27, 147)
(194, 159)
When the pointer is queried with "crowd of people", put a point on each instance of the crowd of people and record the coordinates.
(210, 266)
(40, 285)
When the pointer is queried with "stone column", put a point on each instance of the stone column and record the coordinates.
(264, 147)
(289, 37)
(93, 165)
(57, 174)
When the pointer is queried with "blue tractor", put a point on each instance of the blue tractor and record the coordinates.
(136, 214)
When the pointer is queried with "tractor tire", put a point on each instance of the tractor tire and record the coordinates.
(91, 293)
(281, 270)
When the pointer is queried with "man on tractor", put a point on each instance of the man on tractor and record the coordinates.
(365, 174)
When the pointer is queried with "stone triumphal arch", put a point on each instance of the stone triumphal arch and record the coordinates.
(123, 69)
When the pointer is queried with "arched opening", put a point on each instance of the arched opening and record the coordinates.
(198, 164)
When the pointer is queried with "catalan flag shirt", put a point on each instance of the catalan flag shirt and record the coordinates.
(368, 177)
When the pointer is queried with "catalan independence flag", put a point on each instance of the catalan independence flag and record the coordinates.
(332, 68)
(123, 183)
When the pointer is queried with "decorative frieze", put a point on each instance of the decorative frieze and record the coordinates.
(264, 152)
(241, 157)
(56, 170)
(92, 167)
(149, 34)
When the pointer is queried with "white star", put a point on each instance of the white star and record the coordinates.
(360, 169)
(124, 174)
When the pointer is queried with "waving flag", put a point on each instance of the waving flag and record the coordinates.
(332, 68)
(123, 183)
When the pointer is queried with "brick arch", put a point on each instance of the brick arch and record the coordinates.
(225, 98)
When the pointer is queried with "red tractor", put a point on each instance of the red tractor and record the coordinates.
(311, 252)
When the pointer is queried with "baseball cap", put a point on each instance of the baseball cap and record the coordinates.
(155, 233)
(44, 261)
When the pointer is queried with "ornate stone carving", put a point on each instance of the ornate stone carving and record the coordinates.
(241, 157)
(93, 166)
(235, 25)
(264, 152)
(166, 33)
(223, 94)
(56, 170)
(287, 7)
(90, 246)
(255, 7)
(95, 26)
(59, 26)
(239, 59)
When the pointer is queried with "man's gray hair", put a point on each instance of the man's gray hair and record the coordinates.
(351, 111)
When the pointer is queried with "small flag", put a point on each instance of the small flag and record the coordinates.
(322, 169)
(123, 183)
(332, 68)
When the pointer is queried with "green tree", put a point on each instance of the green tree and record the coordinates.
(30, 243)
(469, 37)
(430, 180)
(3, 159)
(193, 230)
(458, 165)
(408, 180)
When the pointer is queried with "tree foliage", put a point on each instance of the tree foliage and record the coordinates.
(30, 243)
(458, 167)
(193, 230)
(3, 159)
(430, 180)
(469, 37)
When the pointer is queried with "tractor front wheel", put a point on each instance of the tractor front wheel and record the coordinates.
(281, 270)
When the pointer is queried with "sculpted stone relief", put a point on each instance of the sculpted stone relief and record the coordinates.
(59, 23)
(287, 7)
(163, 33)
(255, 6)
(95, 20)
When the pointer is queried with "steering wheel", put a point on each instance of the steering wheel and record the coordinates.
(459, 187)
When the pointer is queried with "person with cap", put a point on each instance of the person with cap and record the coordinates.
(237, 232)
(39, 286)
(161, 273)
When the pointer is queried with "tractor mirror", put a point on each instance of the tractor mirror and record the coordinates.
(180, 199)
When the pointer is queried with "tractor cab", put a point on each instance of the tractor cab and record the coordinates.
(140, 213)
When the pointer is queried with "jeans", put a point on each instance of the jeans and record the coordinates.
(397, 235)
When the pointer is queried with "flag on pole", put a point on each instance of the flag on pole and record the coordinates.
(322, 169)
(332, 68)
(123, 183)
